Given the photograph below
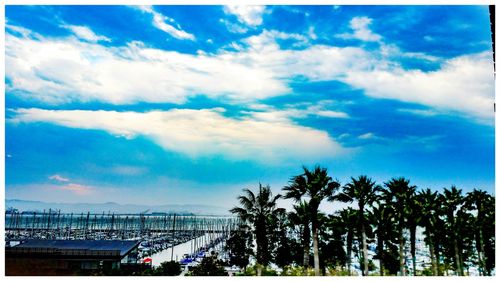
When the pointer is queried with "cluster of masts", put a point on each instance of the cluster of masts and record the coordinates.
(110, 226)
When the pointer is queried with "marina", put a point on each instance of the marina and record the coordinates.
(163, 237)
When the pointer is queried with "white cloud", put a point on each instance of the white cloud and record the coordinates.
(85, 33)
(464, 84)
(76, 188)
(20, 30)
(57, 192)
(248, 14)
(233, 27)
(331, 114)
(294, 111)
(361, 31)
(59, 178)
(65, 184)
(160, 22)
(200, 133)
(311, 33)
(266, 40)
(63, 71)
(68, 70)
(367, 136)
(422, 112)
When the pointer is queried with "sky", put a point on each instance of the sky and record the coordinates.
(191, 104)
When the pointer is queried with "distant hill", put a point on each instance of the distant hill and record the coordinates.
(112, 207)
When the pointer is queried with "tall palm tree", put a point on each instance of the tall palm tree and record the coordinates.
(397, 195)
(381, 218)
(464, 223)
(453, 199)
(413, 220)
(489, 235)
(317, 186)
(440, 239)
(364, 191)
(260, 211)
(349, 218)
(476, 200)
(301, 217)
(429, 205)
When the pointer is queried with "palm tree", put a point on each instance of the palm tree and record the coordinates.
(301, 217)
(413, 220)
(397, 195)
(364, 191)
(429, 205)
(452, 199)
(260, 211)
(282, 242)
(317, 186)
(489, 235)
(465, 224)
(476, 200)
(348, 217)
(381, 218)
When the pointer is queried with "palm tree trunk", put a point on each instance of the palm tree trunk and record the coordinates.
(460, 258)
(401, 253)
(458, 266)
(413, 239)
(480, 252)
(433, 255)
(365, 250)
(380, 247)
(316, 250)
(438, 257)
(349, 251)
(307, 246)
(262, 244)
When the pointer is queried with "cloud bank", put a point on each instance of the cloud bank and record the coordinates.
(200, 133)
(59, 71)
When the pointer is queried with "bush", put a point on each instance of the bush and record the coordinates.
(209, 266)
(289, 270)
(252, 271)
(338, 271)
(169, 268)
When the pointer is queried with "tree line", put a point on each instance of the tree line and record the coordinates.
(458, 228)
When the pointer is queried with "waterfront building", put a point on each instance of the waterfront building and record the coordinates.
(68, 257)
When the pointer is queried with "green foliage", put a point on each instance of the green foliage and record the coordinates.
(427, 272)
(290, 270)
(209, 266)
(146, 272)
(371, 265)
(337, 271)
(168, 268)
(459, 230)
(331, 244)
(316, 185)
(252, 271)
(260, 211)
(239, 246)
(300, 222)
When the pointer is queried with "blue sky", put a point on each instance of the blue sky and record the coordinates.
(190, 104)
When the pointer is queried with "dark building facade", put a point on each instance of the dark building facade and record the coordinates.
(68, 257)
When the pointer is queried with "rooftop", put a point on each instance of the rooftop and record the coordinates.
(78, 246)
